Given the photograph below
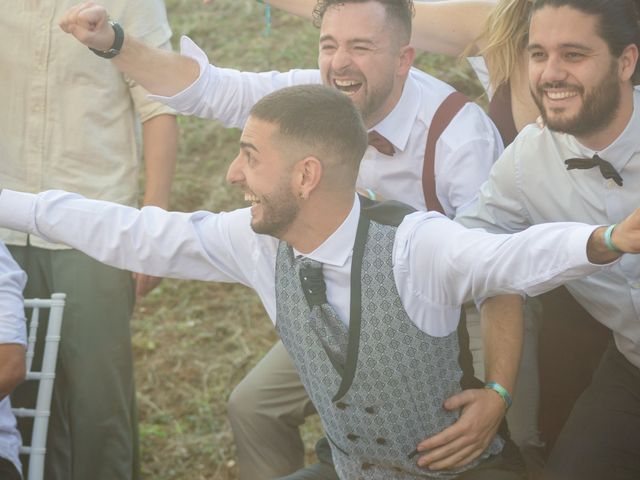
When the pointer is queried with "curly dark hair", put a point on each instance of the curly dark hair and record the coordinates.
(400, 11)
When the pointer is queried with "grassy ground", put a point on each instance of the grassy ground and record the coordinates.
(194, 341)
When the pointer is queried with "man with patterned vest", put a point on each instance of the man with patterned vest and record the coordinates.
(365, 295)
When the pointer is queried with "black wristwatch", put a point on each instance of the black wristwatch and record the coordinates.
(117, 42)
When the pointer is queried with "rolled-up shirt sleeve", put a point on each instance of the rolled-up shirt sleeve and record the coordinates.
(12, 282)
(228, 95)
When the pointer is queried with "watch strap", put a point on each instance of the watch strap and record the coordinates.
(117, 42)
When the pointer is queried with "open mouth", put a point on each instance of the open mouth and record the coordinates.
(348, 87)
(250, 197)
(556, 95)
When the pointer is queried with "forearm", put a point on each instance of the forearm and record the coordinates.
(12, 367)
(607, 244)
(301, 8)
(449, 27)
(502, 332)
(161, 72)
(160, 135)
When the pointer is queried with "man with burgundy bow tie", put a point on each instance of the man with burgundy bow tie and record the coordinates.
(583, 166)
(364, 52)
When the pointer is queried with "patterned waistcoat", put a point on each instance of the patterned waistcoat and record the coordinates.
(389, 395)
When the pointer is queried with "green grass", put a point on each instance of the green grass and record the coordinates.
(194, 341)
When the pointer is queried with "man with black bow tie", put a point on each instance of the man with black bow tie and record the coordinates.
(584, 166)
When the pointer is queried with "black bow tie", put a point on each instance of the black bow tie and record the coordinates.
(381, 144)
(606, 169)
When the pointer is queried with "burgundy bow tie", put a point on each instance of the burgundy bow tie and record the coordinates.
(381, 144)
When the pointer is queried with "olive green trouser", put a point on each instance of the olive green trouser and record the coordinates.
(92, 429)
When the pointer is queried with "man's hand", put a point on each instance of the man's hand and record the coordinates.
(465, 440)
(144, 284)
(625, 237)
(88, 22)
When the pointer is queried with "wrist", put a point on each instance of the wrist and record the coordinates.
(117, 36)
(502, 392)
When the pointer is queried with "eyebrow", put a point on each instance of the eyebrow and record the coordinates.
(248, 146)
(351, 41)
(576, 46)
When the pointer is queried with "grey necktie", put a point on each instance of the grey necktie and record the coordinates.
(327, 326)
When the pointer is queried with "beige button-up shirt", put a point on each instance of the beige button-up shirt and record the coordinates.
(68, 117)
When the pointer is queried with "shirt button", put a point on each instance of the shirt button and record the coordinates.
(367, 466)
(370, 410)
(341, 405)
(381, 441)
(353, 437)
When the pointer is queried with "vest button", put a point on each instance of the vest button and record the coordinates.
(381, 441)
(370, 410)
(353, 437)
(342, 405)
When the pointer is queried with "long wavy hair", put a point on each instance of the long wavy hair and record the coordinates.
(505, 35)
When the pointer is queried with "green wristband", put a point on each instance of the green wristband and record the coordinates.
(500, 390)
(607, 239)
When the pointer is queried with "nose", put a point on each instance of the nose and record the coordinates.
(341, 59)
(235, 173)
(553, 70)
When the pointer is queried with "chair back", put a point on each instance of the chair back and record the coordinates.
(36, 447)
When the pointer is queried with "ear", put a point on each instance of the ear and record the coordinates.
(307, 174)
(627, 62)
(406, 56)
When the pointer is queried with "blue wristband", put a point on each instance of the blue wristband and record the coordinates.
(372, 195)
(500, 390)
(607, 239)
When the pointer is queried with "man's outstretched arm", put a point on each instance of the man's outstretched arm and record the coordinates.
(160, 71)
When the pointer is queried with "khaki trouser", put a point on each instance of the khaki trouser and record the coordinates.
(265, 411)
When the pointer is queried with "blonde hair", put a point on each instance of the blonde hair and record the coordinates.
(505, 34)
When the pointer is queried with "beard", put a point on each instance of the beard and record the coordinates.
(599, 106)
(279, 209)
(370, 99)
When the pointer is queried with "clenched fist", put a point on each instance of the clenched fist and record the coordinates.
(88, 22)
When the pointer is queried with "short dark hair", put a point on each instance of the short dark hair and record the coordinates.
(618, 22)
(400, 11)
(322, 121)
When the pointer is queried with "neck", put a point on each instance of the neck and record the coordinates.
(319, 218)
(392, 100)
(603, 138)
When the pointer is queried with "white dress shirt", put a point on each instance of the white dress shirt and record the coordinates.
(12, 330)
(438, 264)
(530, 184)
(464, 154)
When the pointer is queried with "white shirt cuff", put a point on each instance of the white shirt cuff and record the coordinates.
(182, 101)
(17, 210)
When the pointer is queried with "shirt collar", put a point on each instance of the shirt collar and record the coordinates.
(333, 250)
(620, 151)
(397, 126)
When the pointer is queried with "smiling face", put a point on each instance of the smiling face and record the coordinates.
(360, 55)
(265, 176)
(574, 79)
